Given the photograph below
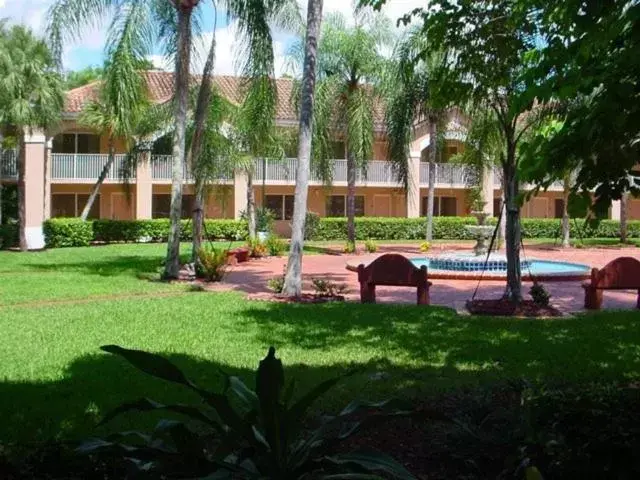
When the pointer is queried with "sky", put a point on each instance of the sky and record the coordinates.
(88, 50)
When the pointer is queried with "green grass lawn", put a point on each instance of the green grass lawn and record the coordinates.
(59, 306)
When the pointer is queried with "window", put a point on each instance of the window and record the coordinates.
(280, 205)
(497, 206)
(161, 206)
(337, 206)
(76, 143)
(72, 204)
(559, 207)
(442, 206)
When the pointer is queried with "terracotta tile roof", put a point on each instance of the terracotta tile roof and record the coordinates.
(160, 86)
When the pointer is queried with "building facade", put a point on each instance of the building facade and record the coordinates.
(61, 167)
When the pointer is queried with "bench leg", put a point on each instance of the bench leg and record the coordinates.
(592, 298)
(423, 296)
(367, 293)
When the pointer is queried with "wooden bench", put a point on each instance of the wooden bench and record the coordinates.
(394, 270)
(620, 274)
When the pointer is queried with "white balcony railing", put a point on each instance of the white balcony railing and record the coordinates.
(85, 166)
(449, 175)
(161, 166)
(8, 164)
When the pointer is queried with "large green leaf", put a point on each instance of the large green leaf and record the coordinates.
(147, 405)
(151, 364)
(244, 393)
(351, 476)
(371, 461)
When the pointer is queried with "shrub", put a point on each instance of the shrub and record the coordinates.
(276, 284)
(67, 232)
(257, 249)
(264, 219)
(349, 247)
(371, 246)
(425, 247)
(327, 288)
(276, 246)
(240, 433)
(212, 263)
(539, 294)
(311, 224)
(157, 230)
(9, 236)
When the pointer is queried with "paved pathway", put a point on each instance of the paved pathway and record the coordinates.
(252, 277)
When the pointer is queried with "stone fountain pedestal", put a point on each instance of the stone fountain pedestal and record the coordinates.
(481, 232)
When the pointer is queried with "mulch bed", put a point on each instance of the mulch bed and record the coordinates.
(506, 308)
(304, 298)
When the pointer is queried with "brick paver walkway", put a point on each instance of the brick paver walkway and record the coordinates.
(252, 277)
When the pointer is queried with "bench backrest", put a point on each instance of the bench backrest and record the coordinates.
(392, 269)
(622, 273)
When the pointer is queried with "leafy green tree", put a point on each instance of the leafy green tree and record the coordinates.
(78, 78)
(31, 95)
(350, 70)
(588, 61)
(488, 46)
(293, 276)
(412, 97)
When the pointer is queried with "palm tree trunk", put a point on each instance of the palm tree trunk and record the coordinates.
(513, 291)
(202, 107)
(566, 226)
(198, 220)
(172, 262)
(293, 276)
(433, 132)
(351, 197)
(22, 198)
(624, 200)
(251, 207)
(1, 187)
(103, 174)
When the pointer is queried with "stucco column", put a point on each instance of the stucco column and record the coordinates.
(616, 209)
(487, 189)
(47, 179)
(239, 193)
(144, 187)
(413, 187)
(34, 172)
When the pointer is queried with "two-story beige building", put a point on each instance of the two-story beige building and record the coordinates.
(62, 165)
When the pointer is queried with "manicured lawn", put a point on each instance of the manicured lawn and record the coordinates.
(59, 306)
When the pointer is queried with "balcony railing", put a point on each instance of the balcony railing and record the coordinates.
(449, 175)
(8, 164)
(85, 166)
(558, 185)
(161, 166)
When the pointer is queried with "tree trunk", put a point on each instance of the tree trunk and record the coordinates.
(513, 291)
(624, 200)
(22, 199)
(202, 108)
(1, 187)
(433, 132)
(172, 262)
(98, 184)
(251, 207)
(293, 276)
(264, 181)
(352, 169)
(566, 226)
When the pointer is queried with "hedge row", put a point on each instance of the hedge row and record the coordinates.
(8, 236)
(72, 232)
(452, 228)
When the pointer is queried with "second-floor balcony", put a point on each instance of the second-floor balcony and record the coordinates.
(86, 168)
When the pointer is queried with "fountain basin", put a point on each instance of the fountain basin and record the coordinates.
(467, 266)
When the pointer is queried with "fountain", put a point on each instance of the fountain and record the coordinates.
(481, 232)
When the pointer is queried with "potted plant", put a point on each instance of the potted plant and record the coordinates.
(264, 223)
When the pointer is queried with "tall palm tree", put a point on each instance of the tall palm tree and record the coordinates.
(31, 95)
(412, 98)
(122, 106)
(350, 66)
(293, 276)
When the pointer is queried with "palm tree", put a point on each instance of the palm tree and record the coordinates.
(624, 210)
(350, 66)
(412, 98)
(293, 277)
(31, 95)
(122, 108)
